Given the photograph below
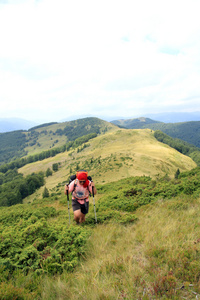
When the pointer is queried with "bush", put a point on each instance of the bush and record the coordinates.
(32, 243)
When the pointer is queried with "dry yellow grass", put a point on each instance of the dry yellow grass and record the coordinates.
(122, 153)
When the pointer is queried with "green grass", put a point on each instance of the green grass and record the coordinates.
(155, 258)
(146, 244)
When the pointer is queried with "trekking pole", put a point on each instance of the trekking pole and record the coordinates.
(94, 205)
(68, 205)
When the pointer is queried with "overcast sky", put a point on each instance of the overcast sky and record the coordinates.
(103, 58)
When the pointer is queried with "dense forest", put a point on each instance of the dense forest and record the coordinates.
(12, 145)
(186, 131)
(77, 128)
(181, 146)
(14, 187)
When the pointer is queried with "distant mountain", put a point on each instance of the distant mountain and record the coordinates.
(168, 117)
(134, 123)
(12, 124)
(175, 117)
(77, 117)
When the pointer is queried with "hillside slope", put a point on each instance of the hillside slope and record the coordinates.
(145, 246)
(57, 134)
(115, 155)
(48, 136)
(186, 131)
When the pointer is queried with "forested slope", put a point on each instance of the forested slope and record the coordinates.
(47, 137)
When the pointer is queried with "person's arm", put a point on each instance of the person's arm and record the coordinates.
(69, 187)
(93, 187)
(66, 188)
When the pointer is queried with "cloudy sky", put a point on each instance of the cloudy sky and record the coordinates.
(107, 58)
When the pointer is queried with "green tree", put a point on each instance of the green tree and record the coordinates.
(55, 167)
(177, 174)
(45, 193)
(48, 172)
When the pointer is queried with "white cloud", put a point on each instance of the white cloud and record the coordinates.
(78, 57)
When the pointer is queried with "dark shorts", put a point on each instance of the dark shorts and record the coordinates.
(83, 207)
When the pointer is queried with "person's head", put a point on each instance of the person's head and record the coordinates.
(82, 178)
(82, 182)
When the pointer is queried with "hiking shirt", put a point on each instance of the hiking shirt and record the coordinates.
(80, 193)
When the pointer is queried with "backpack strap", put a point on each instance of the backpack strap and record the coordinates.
(75, 184)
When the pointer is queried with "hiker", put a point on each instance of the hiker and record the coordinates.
(80, 188)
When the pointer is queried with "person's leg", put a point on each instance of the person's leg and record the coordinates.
(80, 210)
(84, 211)
(82, 218)
(79, 217)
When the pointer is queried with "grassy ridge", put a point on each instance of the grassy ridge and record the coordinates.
(113, 156)
(186, 131)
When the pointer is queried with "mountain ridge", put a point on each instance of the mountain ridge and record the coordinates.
(115, 155)
(186, 131)
(47, 136)
(12, 124)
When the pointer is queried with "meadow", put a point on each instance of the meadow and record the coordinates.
(146, 244)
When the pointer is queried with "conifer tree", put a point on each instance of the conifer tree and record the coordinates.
(48, 172)
(45, 193)
(177, 174)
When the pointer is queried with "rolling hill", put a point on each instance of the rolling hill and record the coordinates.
(136, 123)
(44, 137)
(117, 154)
(48, 136)
(186, 131)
